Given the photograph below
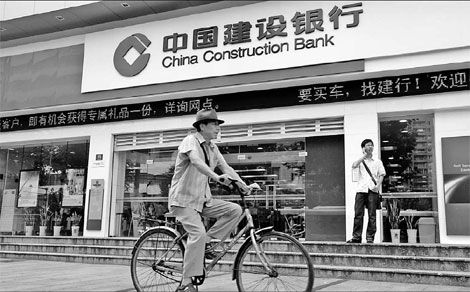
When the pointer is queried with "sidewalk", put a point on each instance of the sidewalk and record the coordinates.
(32, 275)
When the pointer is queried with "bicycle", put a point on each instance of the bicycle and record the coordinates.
(157, 258)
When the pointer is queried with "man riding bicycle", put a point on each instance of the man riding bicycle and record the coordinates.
(190, 195)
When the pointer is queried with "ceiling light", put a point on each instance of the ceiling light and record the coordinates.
(125, 5)
(403, 121)
(385, 141)
(260, 148)
(60, 18)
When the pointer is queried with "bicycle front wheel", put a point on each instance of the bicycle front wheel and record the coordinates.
(292, 268)
(157, 261)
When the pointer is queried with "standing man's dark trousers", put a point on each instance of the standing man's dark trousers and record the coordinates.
(369, 201)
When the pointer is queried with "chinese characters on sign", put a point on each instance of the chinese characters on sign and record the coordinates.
(386, 87)
(305, 22)
(276, 26)
(106, 114)
(406, 85)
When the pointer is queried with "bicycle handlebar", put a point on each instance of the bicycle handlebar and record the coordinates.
(234, 183)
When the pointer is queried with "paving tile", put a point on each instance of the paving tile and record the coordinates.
(32, 275)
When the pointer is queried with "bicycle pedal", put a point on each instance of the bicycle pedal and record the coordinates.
(199, 280)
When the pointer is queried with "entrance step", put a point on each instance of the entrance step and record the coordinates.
(410, 263)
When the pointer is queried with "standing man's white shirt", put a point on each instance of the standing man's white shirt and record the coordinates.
(364, 182)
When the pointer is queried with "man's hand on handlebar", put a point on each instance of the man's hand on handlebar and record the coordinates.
(225, 179)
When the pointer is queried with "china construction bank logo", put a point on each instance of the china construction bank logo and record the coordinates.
(125, 60)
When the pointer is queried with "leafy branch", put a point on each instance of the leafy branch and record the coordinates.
(44, 216)
(29, 217)
(393, 210)
(409, 221)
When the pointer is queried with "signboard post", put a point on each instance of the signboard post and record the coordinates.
(95, 204)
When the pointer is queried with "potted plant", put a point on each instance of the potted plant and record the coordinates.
(75, 218)
(393, 212)
(44, 216)
(28, 221)
(411, 228)
(57, 223)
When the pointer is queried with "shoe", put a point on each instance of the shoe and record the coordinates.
(354, 240)
(210, 253)
(186, 288)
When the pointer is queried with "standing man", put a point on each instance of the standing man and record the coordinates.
(190, 195)
(367, 192)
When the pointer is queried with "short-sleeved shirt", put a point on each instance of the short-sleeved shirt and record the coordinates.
(365, 183)
(189, 186)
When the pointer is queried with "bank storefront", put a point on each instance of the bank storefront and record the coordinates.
(299, 84)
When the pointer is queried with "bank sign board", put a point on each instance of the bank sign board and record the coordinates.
(263, 36)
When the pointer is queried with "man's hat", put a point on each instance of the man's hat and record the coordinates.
(206, 115)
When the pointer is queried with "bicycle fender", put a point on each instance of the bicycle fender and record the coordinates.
(247, 242)
(175, 232)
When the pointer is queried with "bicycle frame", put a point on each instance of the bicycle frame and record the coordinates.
(226, 247)
(249, 227)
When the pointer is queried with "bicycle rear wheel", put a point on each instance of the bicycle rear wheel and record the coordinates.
(157, 261)
(292, 265)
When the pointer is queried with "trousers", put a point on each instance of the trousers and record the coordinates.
(227, 215)
(362, 201)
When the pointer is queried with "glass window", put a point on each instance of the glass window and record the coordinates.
(144, 199)
(407, 151)
(276, 166)
(44, 186)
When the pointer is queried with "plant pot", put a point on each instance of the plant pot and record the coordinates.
(75, 230)
(57, 230)
(28, 230)
(395, 233)
(42, 230)
(412, 234)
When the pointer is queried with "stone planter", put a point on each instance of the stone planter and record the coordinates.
(75, 230)
(57, 230)
(412, 234)
(395, 233)
(42, 230)
(28, 230)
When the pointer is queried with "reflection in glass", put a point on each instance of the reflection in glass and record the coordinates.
(277, 166)
(407, 151)
(407, 154)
